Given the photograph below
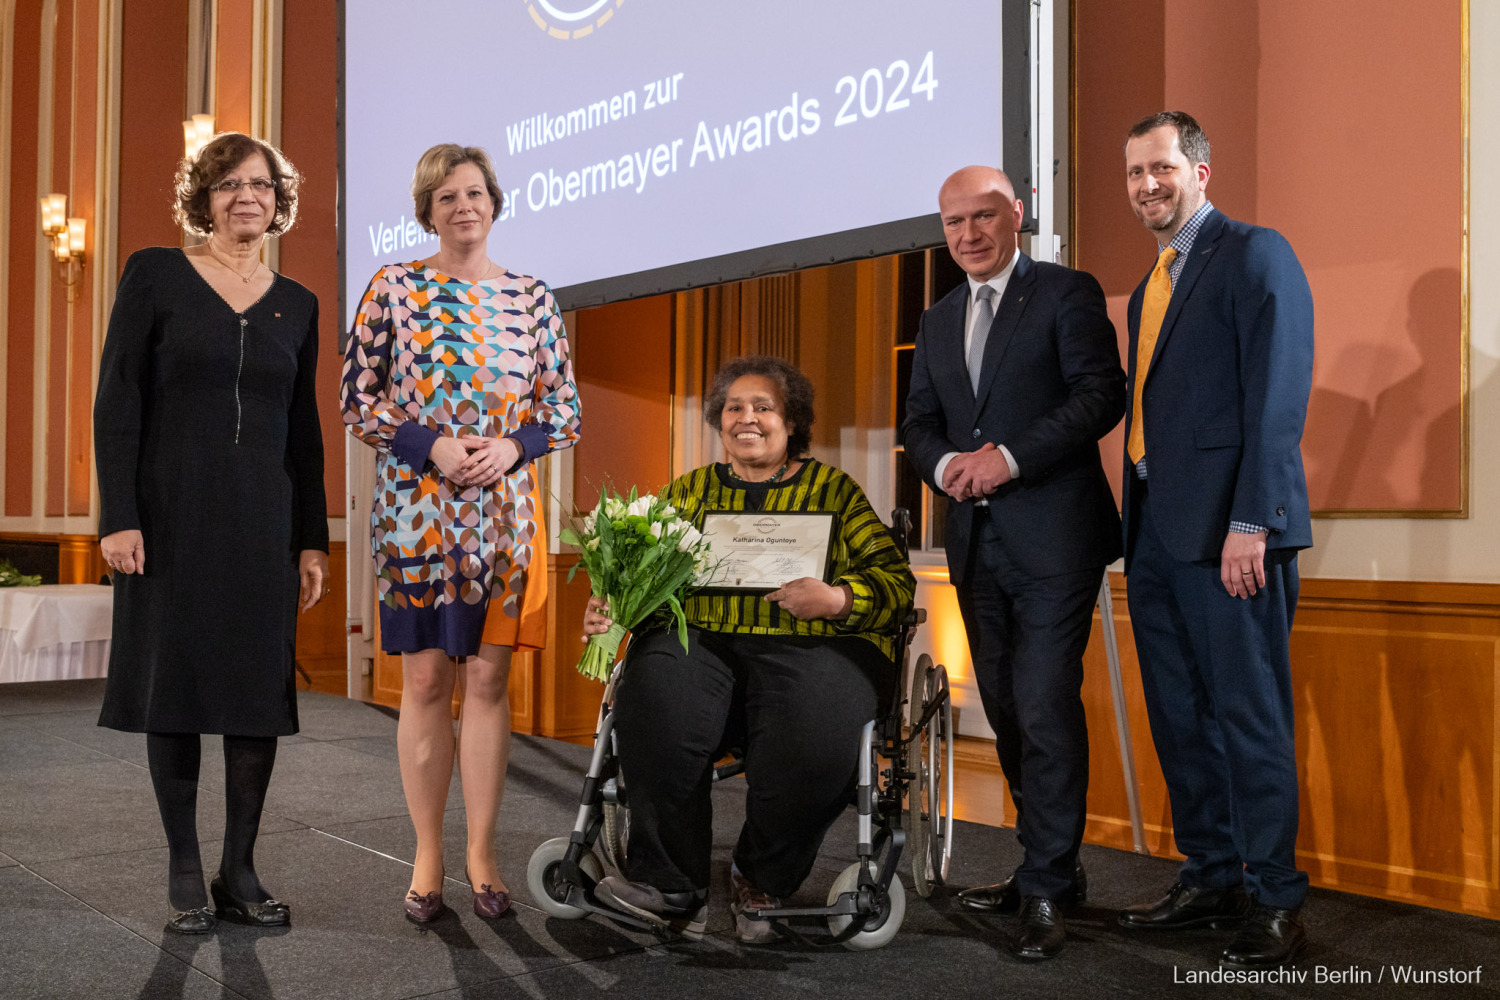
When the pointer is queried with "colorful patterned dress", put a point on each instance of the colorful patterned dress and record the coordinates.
(430, 356)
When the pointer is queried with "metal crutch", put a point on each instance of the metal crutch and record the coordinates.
(1122, 719)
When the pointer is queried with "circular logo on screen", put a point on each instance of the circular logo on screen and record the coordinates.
(571, 18)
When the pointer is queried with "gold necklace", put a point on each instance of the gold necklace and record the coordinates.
(488, 267)
(243, 277)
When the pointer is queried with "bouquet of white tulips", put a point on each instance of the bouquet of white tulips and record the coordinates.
(640, 555)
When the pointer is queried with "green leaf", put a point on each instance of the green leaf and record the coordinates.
(677, 612)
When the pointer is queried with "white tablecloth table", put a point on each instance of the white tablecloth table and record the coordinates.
(56, 632)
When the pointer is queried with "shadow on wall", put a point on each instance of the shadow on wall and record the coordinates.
(1410, 803)
(1385, 460)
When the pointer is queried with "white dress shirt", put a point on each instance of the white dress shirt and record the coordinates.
(998, 283)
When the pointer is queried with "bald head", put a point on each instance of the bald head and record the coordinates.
(974, 180)
(981, 216)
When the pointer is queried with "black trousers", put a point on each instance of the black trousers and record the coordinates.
(1216, 672)
(799, 703)
(1027, 636)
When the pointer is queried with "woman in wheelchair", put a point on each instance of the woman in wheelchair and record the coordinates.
(798, 671)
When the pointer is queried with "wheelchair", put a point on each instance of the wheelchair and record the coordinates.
(903, 799)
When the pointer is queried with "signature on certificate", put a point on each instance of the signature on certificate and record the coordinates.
(785, 568)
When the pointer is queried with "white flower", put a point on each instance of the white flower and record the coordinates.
(589, 521)
(689, 538)
(614, 508)
(655, 529)
(592, 544)
(668, 512)
(640, 507)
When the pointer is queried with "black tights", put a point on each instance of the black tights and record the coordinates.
(174, 759)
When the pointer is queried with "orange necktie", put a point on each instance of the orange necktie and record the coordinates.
(1153, 311)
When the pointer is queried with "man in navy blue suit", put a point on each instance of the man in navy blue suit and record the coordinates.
(1015, 377)
(1215, 510)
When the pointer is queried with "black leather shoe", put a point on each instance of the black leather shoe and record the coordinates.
(1005, 897)
(199, 921)
(1189, 906)
(267, 914)
(1042, 932)
(1269, 937)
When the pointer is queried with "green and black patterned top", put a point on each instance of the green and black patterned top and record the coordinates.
(864, 554)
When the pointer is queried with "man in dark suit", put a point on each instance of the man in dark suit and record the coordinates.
(1221, 353)
(1016, 376)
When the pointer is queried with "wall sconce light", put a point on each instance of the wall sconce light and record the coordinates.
(67, 236)
(196, 132)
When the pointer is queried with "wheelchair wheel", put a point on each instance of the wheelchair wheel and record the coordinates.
(915, 819)
(929, 756)
(616, 834)
(880, 926)
(544, 880)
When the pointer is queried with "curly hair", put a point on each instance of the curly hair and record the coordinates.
(197, 175)
(435, 166)
(796, 396)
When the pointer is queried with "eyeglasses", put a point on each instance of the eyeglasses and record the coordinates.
(260, 185)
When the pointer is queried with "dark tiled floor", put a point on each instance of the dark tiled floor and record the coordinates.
(82, 906)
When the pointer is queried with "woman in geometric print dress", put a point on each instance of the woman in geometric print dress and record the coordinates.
(457, 372)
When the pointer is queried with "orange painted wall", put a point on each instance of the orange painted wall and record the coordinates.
(1344, 133)
(153, 100)
(24, 219)
(234, 27)
(82, 187)
(309, 253)
(55, 449)
(622, 359)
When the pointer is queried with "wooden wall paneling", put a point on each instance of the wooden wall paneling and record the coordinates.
(567, 703)
(153, 95)
(1398, 689)
(776, 308)
(79, 559)
(522, 690)
(234, 56)
(58, 38)
(524, 672)
(385, 673)
(622, 361)
(1108, 806)
(1397, 699)
(309, 137)
(82, 197)
(321, 648)
(24, 246)
(825, 334)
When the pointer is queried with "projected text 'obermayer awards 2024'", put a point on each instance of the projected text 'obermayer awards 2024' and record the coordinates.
(634, 136)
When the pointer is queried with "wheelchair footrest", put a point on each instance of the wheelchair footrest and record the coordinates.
(847, 906)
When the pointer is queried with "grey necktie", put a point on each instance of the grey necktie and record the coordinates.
(984, 315)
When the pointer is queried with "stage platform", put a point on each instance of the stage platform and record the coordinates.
(83, 903)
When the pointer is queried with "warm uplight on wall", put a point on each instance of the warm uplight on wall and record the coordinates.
(67, 236)
(196, 132)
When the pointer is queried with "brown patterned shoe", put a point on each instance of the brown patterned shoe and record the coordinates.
(745, 902)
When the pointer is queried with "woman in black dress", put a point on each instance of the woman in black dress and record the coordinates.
(213, 518)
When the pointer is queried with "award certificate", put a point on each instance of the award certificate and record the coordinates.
(762, 550)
